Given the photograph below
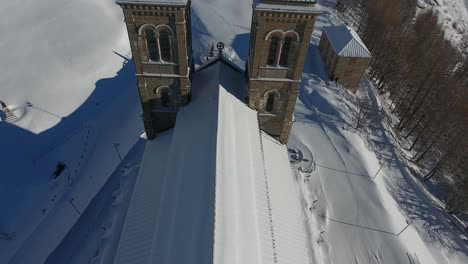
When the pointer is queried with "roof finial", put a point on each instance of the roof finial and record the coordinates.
(220, 47)
(212, 50)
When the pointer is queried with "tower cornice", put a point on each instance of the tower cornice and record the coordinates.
(287, 6)
(154, 2)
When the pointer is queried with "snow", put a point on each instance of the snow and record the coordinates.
(180, 197)
(346, 42)
(453, 15)
(239, 168)
(75, 96)
(291, 243)
(236, 203)
(139, 227)
(351, 215)
(73, 91)
(94, 238)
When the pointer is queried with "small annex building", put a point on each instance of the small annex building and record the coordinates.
(345, 55)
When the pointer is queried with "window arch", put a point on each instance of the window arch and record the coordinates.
(281, 46)
(159, 41)
(151, 45)
(270, 103)
(165, 45)
(165, 95)
(271, 97)
(285, 52)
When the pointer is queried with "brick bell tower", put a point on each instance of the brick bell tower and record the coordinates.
(279, 40)
(161, 42)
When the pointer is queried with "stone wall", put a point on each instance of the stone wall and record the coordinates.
(277, 122)
(152, 75)
(284, 80)
(349, 72)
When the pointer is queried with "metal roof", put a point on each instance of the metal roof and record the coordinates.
(346, 42)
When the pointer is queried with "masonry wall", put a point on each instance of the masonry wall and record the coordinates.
(285, 80)
(349, 72)
(150, 75)
(277, 123)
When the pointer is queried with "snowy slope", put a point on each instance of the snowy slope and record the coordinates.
(66, 74)
(75, 96)
(453, 16)
(225, 21)
(353, 217)
(54, 52)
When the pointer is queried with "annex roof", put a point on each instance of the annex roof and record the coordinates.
(346, 42)
(214, 189)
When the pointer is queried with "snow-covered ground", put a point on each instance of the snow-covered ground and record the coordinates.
(67, 77)
(453, 16)
(66, 72)
(361, 217)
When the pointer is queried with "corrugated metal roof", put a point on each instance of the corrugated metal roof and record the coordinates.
(346, 42)
(135, 245)
(286, 213)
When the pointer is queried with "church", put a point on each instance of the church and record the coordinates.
(161, 42)
(215, 184)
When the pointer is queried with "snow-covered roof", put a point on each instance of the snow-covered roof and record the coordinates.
(214, 189)
(346, 42)
(153, 2)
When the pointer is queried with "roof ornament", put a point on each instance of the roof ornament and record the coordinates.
(212, 50)
(220, 47)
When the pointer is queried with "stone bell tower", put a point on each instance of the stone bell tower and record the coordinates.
(279, 40)
(161, 42)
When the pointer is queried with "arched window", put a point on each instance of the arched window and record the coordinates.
(158, 42)
(282, 44)
(165, 97)
(285, 52)
(152, 45)
(165, 45)
(273, 51)
(270, 102)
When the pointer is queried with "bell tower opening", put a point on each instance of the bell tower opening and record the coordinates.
(270, 103)
(161, 42)
(279, 40)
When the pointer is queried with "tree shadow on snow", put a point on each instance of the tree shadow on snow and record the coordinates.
(406, 191)
(28, 159)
